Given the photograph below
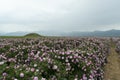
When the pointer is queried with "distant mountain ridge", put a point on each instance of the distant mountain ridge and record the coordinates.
(108, 33)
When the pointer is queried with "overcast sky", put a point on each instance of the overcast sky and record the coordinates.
(59, 15)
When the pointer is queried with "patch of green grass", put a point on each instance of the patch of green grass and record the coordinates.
(11, 36)
(32, 35)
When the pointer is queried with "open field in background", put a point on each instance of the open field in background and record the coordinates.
(59, 58)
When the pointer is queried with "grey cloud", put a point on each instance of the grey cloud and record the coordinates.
(62, 15)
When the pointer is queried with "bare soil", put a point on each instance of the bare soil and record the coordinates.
(112, 68)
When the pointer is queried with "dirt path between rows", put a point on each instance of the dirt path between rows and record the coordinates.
(112, 68)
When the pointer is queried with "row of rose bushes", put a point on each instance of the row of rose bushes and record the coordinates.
(53, 58)
(118, 45)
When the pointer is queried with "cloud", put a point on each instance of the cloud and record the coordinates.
(59, 15)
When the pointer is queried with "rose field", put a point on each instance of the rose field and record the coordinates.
(50, 58)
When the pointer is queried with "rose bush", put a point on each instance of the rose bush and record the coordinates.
(53, 58)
